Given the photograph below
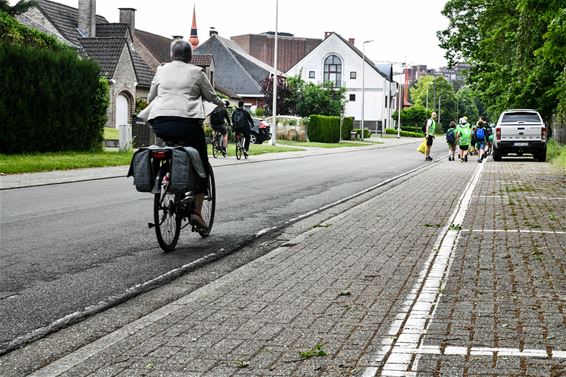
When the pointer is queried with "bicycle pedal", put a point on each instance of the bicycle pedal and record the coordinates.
(150, 225)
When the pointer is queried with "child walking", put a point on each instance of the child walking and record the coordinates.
(464, 137)
(451, 140)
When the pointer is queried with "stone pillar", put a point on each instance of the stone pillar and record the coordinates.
(128, 16)
(87, 17)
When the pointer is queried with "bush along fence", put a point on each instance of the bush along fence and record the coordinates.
(326, 129)
(53, 101)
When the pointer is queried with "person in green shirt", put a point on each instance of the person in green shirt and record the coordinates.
(464, 138)
(429, 134)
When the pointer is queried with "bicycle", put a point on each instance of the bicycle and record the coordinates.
(240, 146)
(216, 143)
(172, 211)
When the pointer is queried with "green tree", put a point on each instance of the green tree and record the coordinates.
(21, 7)
(441, 97)
(305, 99)
(516, 49)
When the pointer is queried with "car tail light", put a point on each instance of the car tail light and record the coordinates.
(543, 133)
(498, 134)
(159, 155)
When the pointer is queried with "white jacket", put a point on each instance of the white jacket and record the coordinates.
(178, 89)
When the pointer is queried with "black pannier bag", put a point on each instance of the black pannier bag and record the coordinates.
(141, 169)
(186, 169)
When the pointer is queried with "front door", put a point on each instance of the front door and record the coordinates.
(122, 110)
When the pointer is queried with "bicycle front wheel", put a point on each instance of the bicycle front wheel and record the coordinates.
(167, 220)
(209, 204)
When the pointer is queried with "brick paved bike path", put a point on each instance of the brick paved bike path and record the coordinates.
(353, 283)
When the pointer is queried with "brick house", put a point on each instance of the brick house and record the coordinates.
(290, 49)
(127, 57)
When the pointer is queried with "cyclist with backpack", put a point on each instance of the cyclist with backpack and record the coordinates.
(242, 123)
(451, 140)
(219, 118)
(481, 137)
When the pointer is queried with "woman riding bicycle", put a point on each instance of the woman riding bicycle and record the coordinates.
(177, 110)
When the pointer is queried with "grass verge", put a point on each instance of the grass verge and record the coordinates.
(556, 153)
(327, 145)
(257, 149)
(41, 162)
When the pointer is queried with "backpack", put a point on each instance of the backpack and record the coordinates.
(480, 134)
(239, 121)
(424, 126)
(217, 117)
(450, 136)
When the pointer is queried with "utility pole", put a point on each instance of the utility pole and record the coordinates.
(275, 80)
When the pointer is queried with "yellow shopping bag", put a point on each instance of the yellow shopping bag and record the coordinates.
(422, 147)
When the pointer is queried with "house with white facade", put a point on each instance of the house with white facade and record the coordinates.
(338, 60)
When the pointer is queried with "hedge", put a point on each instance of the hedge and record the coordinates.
(13, 32)
(323, 129)
(51, 101)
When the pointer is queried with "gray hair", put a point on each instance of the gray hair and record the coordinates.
(181, 50)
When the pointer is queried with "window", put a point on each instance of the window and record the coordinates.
(333, 70)
(353, 75)
(311, 75)
(352, 97)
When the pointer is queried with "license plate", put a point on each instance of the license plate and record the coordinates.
(521, 144)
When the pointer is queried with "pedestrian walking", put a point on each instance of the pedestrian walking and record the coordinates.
(464, 136)
(429, 134)
(451, 140)
(481, 138)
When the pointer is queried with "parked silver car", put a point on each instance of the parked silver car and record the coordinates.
(520, 131)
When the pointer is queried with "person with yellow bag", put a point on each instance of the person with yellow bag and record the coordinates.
(429, 135)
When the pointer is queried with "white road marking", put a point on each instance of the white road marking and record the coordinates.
(513, 231)
(421, 302)
(526, 197)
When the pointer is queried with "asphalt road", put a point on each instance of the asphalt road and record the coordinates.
(67, 247)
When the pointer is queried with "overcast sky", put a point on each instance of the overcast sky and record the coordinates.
(400, 29)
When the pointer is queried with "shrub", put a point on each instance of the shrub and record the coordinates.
(347, 127)
(323, 129)
(259, 112)
(56, 101)
(367, 134)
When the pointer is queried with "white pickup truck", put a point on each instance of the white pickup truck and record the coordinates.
(520, 131)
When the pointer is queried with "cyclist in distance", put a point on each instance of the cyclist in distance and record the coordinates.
(242, 123)
(219, 119)
(177, 111)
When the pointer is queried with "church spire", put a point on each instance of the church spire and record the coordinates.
(193, 40)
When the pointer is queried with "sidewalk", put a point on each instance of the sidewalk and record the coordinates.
(458, 271)
(63, 176)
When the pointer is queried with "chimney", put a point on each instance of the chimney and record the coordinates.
(212, 32)
(128, 16)
(327, 34)
(352, 41)
(87, 17)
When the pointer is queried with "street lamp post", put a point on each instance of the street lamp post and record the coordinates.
(275, 80)
(364, 84)
(399, 111)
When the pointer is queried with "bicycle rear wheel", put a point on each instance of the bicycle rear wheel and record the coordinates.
(209, 204)
(215, 146)
(239, 150)
(167, 219)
